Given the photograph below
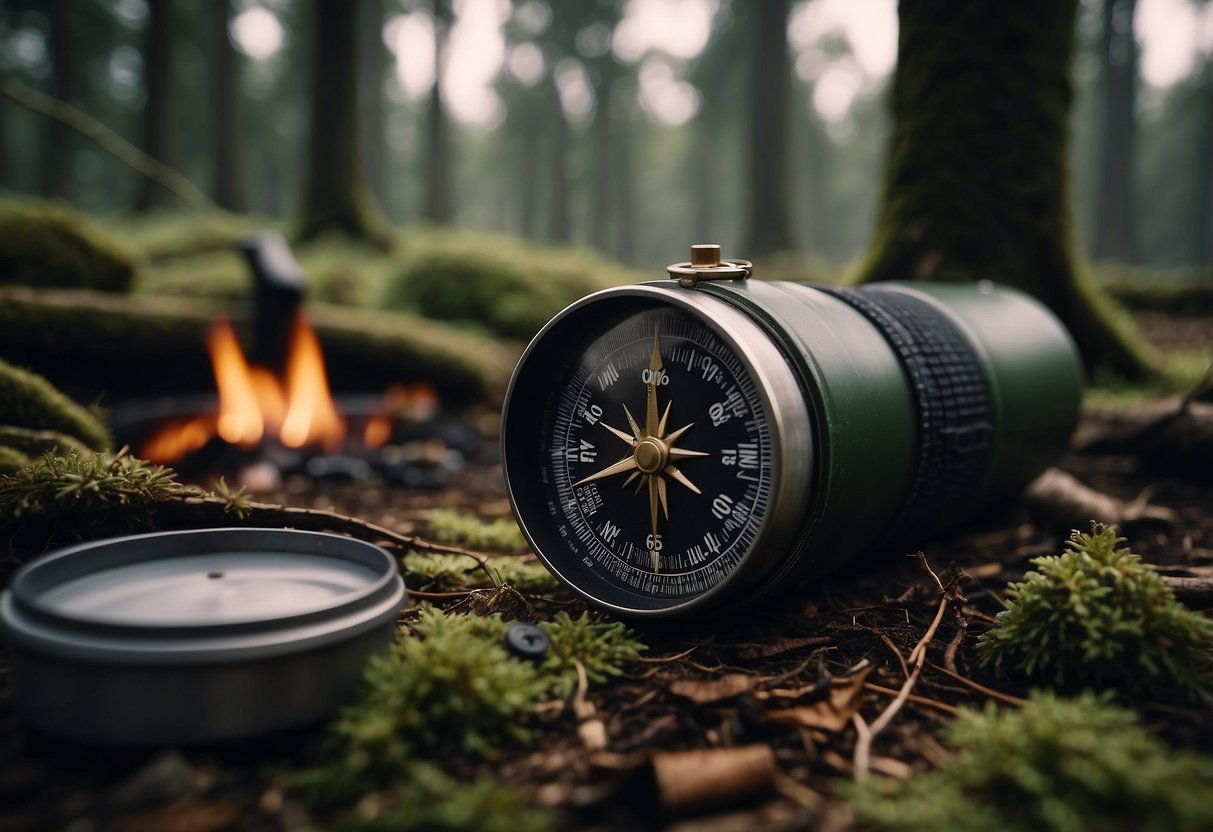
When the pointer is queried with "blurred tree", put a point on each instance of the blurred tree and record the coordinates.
(976, 180)
(227, 182)
(769, 206)
(335, 198)
(57, 152)
(375, 59)
(158, 133)
(1115, 232)
(439, 207)
(1203, 239)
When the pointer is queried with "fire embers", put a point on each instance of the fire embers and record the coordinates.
(266, 424)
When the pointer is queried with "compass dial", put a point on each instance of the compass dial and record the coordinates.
(653, 455)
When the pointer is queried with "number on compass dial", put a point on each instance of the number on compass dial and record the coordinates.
(661, 455)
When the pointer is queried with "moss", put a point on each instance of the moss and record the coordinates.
(12, 460)
(1065, 765)
(447, 573)
(27, 400)
(451, 690)
(976, 178)
(1097, 616)
(431, 801)
(497, 283)
(46, 244)
(76, 490)
(500, 535)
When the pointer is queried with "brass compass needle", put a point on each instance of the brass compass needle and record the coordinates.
(626, 464)
(681, 478)
(661, 495)
(676, 435)
(653, 499)
(632, 422)
(650, 413)
(631, 477)
(682, 453)
(664, 418)
(631, 440)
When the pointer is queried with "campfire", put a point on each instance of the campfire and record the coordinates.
(283, 414)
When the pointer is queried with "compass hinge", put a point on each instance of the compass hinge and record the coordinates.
(706, 264)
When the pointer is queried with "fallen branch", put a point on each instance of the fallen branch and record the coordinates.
(1175, 433)
(110, 142)
(1059, 502)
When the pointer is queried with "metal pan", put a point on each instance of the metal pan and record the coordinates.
(196, 636)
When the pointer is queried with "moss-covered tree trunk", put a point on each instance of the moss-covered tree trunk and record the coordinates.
(335, 197)
(439, 207)
(57, 152)
(976, 180)
(1203, 240)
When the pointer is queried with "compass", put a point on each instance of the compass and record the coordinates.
(682, 447)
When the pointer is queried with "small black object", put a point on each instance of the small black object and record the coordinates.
(278, 288)
(527, 641)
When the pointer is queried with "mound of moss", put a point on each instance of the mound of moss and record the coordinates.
(497, 283)
(1060, 765)
(43, 244)
(28, 400)
(1097, 616)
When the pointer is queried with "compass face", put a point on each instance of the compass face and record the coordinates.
(640, 452)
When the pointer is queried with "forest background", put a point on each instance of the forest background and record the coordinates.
(618, 124)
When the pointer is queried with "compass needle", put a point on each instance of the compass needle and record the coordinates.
(632, 422)
(661, 495)
(631, 477)
(681, 478)
(628, 463)
(682, 453)
(654, 540)
(676, 435)
(650, 412)
(664, 418)
(631, 440)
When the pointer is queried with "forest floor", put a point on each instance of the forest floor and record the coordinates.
(843, 646)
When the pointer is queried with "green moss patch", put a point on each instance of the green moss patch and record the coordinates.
(27, 400)
(46, 244)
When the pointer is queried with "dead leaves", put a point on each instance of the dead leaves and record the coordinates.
(831, 701)
(695, 781)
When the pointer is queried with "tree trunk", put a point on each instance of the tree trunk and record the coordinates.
(769, 219)
(159, 139)
(374, 67)
(1115, 237)
(604, 153)
(976, 178)
(1203, 239)
(57, 153)
(225, 111)
(439, 194)
(625, 249)
(559, 230)
(335, 198)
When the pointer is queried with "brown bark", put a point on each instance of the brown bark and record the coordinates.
(159, 136)
(225, 111)
(439, 205)
(769, 214)
(1115, 233)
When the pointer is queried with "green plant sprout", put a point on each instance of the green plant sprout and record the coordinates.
(450, 573)
(1097, 616)
(1060, 765)
(458, 528)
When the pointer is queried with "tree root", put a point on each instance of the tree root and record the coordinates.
(1174, 434)
(1058, 502)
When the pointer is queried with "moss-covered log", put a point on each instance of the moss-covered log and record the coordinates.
(92, 341)
(29, 401)
(976, 180)
(46, 244)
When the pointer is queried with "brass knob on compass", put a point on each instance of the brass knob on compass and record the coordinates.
(707, 264)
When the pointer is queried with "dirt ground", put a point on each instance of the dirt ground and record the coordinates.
(701, 688)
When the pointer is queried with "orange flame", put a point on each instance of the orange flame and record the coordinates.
(254, 403)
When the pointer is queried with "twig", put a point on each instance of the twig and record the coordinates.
(915, 698)
(110, 142)
(982, 689)
(918, 657)
(673, 658)
(905, 668)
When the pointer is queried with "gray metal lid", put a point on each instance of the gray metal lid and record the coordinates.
(200, 597)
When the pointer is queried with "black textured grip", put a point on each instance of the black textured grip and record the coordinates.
(951, 393)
